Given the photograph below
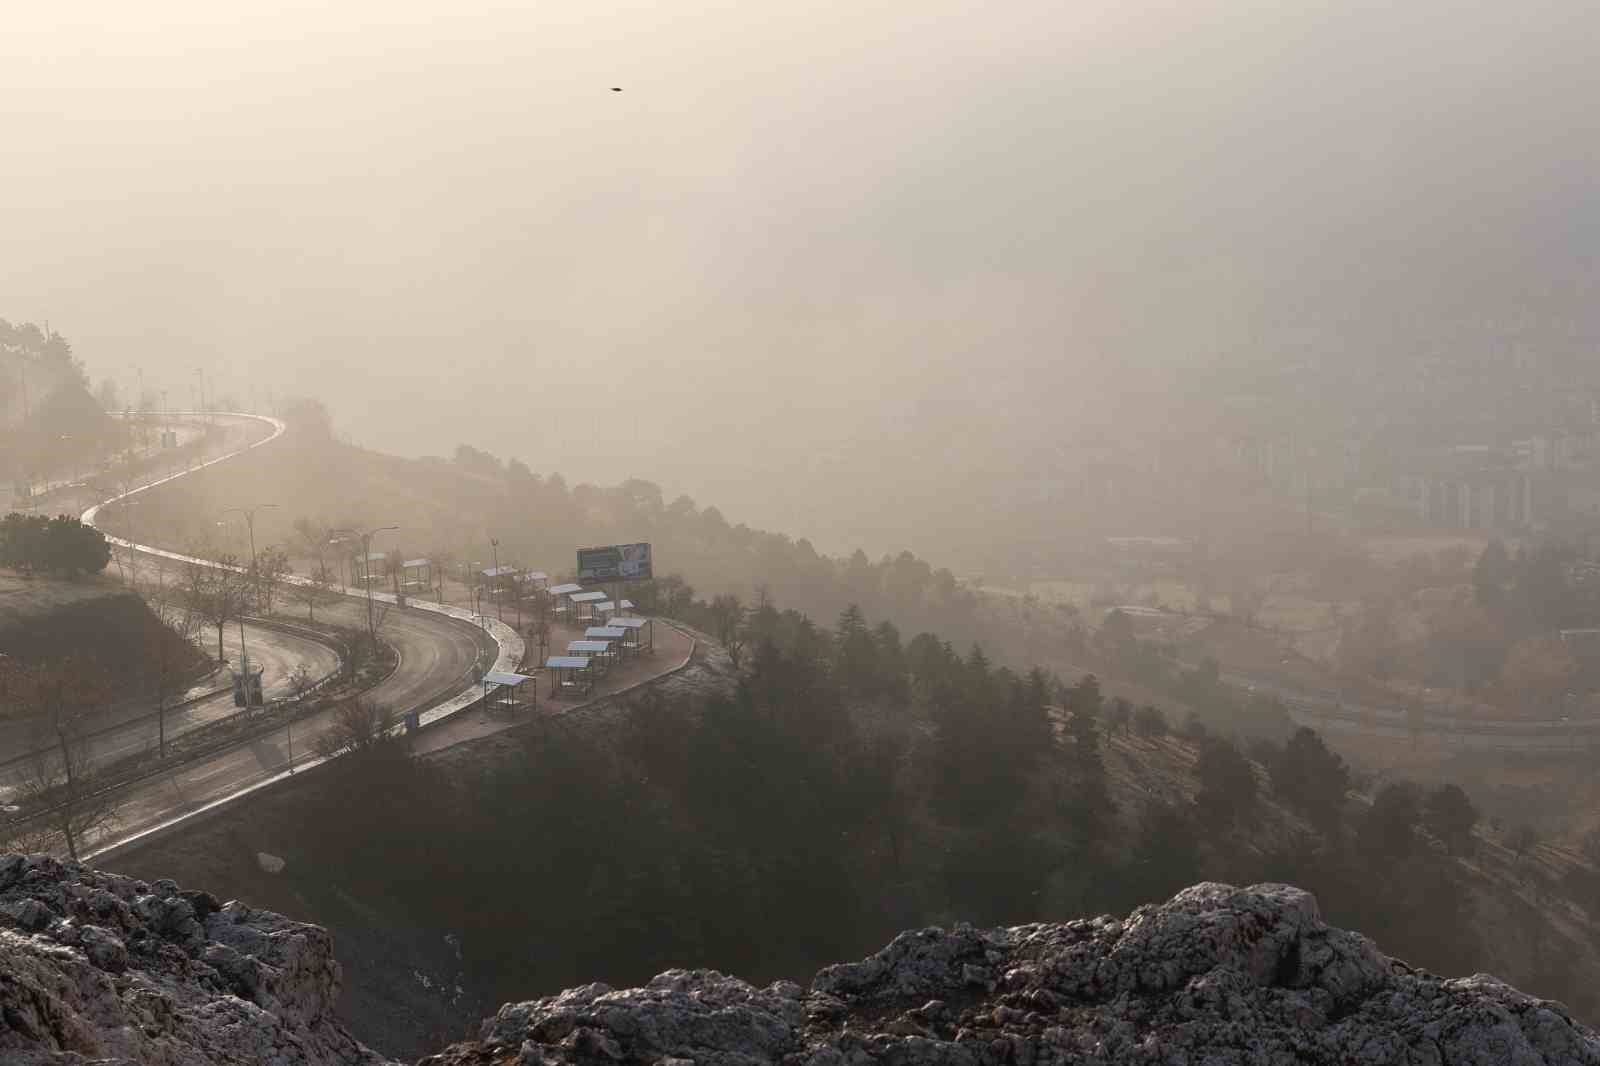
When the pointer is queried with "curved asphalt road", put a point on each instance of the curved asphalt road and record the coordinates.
(437, 660)
(279, 653)
(437, 657)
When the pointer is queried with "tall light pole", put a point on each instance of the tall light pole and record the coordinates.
(366, 565)
(499, 601)
(255, 576)
(250, 523)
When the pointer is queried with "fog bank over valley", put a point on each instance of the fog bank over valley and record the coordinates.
(839, 270)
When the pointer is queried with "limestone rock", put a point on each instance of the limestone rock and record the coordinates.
(1215, 975)
(98, 967)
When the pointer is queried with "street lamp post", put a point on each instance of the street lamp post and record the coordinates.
(255, 576)
(499, 600)
(366, 564)
(250, 524)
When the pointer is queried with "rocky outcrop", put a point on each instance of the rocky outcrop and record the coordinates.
(106, 969)
(1216, 975)
(97, 967)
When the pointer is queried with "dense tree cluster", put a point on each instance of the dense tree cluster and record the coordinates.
(1499, 634)
(857, 783)
(61, 546)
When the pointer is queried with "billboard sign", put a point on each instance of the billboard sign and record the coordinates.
(619, 562)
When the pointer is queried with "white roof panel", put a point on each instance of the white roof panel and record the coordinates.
(503, 677)
(606, 632)
(410, 563)
(562, 590)
(587, 597)
(567, 662)
(629, 623)
(593, 647)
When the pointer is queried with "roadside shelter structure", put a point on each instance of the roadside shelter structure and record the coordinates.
(508, 691)
(560, 605)
(584, 605)
(641, 633)
(416, 575)
(531, 585)
(601, 654)
(571, 676)
(615, 636)
(499, 578)
(368, 568)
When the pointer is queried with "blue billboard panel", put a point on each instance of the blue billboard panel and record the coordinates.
(618, 562)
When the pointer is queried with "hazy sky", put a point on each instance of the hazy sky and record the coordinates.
(799, 225)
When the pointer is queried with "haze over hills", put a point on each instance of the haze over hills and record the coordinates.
(1087, 449)
(831, 268)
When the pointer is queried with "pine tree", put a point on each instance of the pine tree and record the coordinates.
(855, 653)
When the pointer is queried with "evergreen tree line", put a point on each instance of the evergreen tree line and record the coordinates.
(856, 784)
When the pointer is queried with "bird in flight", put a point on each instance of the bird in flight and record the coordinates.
(615, 89)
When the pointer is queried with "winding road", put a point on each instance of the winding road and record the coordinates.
(441, 652)
(279, 653)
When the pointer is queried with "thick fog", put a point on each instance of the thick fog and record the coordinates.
(812, 256)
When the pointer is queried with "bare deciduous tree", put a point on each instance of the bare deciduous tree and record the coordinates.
(165, 661)
(359, 726)
(216, 594)
(729, 614)
(317, 590)
(271, 566)
(59, 787)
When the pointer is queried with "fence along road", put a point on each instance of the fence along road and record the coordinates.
(431, 638)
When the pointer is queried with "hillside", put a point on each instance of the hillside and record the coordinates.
(43, 619)
(559, 833)
(367, 882)
(854, 796)
(99, 967)
(1531, 909)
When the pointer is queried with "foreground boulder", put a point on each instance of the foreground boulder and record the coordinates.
(1217, 975)
(96, 967)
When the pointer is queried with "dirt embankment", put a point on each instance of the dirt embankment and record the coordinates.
(42, 620)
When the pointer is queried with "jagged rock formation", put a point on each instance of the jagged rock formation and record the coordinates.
(1216, 975)
(100, 968)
